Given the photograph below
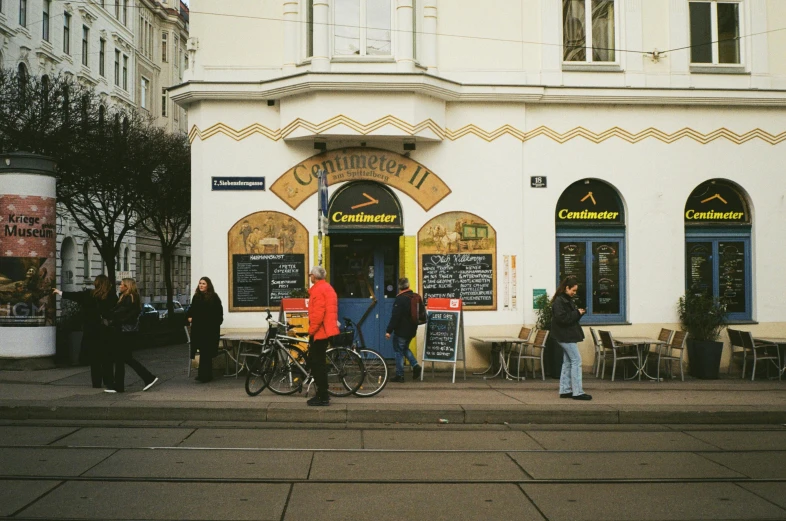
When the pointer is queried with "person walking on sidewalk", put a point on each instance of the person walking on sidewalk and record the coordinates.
(206, 314)
(97, 306)
(565, 329)
(125, 320)
(322, 324)
(404, 327)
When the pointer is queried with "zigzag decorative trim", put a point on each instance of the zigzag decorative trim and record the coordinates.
(453, 135)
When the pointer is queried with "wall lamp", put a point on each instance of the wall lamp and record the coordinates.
(320, 145)
(409, 146)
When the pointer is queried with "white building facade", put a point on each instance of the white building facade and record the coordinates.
(634, 144)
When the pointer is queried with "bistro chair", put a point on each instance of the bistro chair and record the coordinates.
(672, 352)
(533, 351)
(600, 353)
(758, 350)
(618, 353)
(524, 335)
(737, 349)
(192, 352)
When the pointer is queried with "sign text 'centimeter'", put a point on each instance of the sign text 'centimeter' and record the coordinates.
(238, 183)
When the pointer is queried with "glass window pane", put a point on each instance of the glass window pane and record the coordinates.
(699, 268)
(347, 27)
(603, 31)
(352, 275)
(378, 24)
(572, 261)
(731, 275)
(605, 278)
(574, 30)
(728, 32)
(700, 33)
(310, 28)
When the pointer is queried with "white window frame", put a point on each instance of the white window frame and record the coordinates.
(714, 35)
(363, 33)
(144, 88)
(588, 37)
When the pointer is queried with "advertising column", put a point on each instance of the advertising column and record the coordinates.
(27, 256)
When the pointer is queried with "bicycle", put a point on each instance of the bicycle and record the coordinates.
(374, 363)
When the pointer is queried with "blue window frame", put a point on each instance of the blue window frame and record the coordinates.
(597, 258)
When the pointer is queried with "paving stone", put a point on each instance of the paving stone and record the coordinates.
(17, 494)
(642, 441)
(741, 440)
(15, 436)
(123, 437)
(757, 465)
(448, 440)
(275, 438)
(49, 461)
(774, 492)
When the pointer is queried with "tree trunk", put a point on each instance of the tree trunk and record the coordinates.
(166, 254)
(108, 256)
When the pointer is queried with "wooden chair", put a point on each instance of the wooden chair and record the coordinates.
(524, 334)
(674, 351)
(759, 351)
(534, 351)
(737, 349)
(618, 353)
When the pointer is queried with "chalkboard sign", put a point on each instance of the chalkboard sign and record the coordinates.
(606, 272)
(699, 266)
(261, 281)
(469, 276)
(442, 335)
(573, 262)
(731, 259)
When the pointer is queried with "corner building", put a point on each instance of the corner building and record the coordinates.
(487, 149)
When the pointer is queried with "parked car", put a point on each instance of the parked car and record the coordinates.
(160, 307)
(148, 319)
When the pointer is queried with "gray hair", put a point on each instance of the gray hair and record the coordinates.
(403, 283)
(318, 272)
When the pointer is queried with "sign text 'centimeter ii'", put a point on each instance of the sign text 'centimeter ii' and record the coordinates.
(238, 183)
(538, 181)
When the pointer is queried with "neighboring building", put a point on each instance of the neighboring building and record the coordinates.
(636, 144)
(150, 265)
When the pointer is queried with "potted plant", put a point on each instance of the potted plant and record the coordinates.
(553, 356)
(703, 317)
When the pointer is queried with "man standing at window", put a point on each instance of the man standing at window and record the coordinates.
(404, 328)
(322, 324)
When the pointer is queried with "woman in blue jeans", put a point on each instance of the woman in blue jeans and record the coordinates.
(565, 329)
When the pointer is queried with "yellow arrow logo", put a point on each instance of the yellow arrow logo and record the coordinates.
(716, 196)
(371, 201)
(589, 196)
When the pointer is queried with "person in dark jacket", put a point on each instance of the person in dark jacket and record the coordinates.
(565, 329)
(403, 329)
(97, 306)
(125, 320)
(206, 314)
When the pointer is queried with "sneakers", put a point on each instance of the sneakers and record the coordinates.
(317, 401)
(397, 379)
(566, 395)
(583, 397)
(151, 384)
(416, 371)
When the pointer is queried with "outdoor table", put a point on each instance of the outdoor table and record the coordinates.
(642, 350)
(781, 343)
(498, 344)
(239, 345)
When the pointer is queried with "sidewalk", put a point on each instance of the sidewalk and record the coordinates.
(65, 393)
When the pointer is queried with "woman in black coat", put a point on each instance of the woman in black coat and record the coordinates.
(206, 314)
(565, 329)
(97, 305)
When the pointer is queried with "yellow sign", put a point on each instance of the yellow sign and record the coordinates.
(361, 164)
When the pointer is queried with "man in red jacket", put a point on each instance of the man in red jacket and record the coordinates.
(322, 324)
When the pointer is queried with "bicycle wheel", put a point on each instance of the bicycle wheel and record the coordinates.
(345, 371)
(256, 380)
(285, 377)
(376, 373)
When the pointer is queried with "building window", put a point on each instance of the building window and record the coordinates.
(101, 57)
(86, 262)
(163, 103)
(85, 45)
(715, 32)
(591, 246)
(163, 47)
(117, 9)
(125, 72)
(125, 12)
(144, 87)
(125, 259)
(718, 246)
(588, 42)
(23, 13)
(310, 28)
(362, 28)
(67, 33)
(117, 67)
(45, 20)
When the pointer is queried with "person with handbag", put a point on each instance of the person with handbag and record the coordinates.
(97, 306)
(125, 320)
(205, 314)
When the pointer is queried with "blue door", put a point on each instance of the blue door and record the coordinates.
(364, 273)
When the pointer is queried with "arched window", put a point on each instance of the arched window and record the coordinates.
(125, 259)
(86, 262)
(23, 76)
(590, 223)
(718, 245)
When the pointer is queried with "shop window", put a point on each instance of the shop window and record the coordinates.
(718, 246)
(715, 32)
(588, 25)
(362, 28)
(590, 224)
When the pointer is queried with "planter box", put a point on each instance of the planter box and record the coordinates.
(552, 358)
(704, 358)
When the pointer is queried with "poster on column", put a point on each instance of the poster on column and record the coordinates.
(457, 253)
(27, 260)
(268, 259)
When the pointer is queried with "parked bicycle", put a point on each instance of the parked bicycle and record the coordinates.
(374, 363)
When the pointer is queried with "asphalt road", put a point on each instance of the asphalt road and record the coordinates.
(288, 472)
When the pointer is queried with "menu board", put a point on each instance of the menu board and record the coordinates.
(442, 328)
(469, 276)
(572, 262)
(606, 278)
(263, 280)
(731, 283)
(699, 266)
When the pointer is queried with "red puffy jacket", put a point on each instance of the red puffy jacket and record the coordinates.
(322, 311)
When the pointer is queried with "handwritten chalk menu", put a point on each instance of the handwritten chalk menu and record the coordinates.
(460, 275)
(731, 263)
(573, 262)
(699, 266)
(606, 276)
(263, 280)
(441, 336)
